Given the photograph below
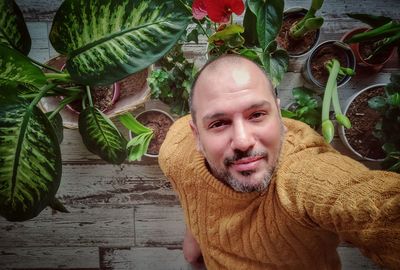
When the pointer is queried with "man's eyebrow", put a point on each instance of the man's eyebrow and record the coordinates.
(260, 104)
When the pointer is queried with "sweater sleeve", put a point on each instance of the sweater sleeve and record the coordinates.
(333, 192)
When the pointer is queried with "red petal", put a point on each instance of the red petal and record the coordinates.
(199, 9)
(237, 6)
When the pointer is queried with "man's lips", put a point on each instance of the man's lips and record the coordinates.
(247, 164)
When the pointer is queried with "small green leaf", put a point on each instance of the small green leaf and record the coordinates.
(343, 120)
(57, 205)
(276, 64)
(377, 103)
(226, 33)
(132, 124)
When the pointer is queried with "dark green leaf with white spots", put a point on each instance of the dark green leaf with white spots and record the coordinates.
(101, 136)
(13, 30)
(17, 69)
(30, 161)
(106, 40)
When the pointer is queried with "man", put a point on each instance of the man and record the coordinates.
(262, 192)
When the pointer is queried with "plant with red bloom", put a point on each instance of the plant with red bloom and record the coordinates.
(255, 39)
(218, 11)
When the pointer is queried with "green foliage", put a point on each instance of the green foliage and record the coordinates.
(142, 136)
(309, 21)
(307, 107)
(336, 73)
(388, 129)
(103, 41)
(384, 34)
(172, 82)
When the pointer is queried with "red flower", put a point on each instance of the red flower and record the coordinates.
(219, 11)
(199, 9)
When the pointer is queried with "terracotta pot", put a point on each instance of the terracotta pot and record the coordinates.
(291, 14)
(355, 47)
(159, 136)
(342, 131)
(347, 59)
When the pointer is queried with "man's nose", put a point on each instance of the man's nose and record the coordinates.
(241, 138)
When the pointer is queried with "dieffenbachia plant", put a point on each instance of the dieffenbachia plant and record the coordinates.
(336, 72)
(309, 22)
(104, 41)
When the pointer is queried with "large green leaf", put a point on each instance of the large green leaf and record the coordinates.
(250, 27)
(30, 161)
(101, 136)
(13, 30)
(16, 68)
(275, 64)
(269, 21)
(106, 40)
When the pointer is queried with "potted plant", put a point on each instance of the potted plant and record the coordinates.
(314, 69)
(375, 114)
(336, 72)
(373, 46)
(171, 82)
(99, 51)
(306, 108)
(300, 29)
(147, 132)
(254, 40)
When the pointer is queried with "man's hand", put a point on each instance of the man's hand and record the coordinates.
(191, 251)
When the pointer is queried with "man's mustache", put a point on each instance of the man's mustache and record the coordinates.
(243, 154)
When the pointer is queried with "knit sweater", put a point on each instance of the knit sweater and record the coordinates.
(316, 198)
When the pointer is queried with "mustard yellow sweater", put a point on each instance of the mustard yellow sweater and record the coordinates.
(316, 197)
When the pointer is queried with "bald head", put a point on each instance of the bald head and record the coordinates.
(227, 70)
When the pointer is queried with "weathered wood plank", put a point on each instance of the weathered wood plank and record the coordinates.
(49, 258)
(84, 226)
(159, 226)
(142, 258)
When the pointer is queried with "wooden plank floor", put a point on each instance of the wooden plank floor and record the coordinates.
(127, 216)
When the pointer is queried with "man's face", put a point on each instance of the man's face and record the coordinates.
(238, 126)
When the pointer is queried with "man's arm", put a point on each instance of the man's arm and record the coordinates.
(338, 194)
(191, 250)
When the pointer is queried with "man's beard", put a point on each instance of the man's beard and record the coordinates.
(226, 177)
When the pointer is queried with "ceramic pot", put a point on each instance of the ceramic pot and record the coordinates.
(343, 52)
(355, 47)
(293, 14)
(342, 131)
(159, 121)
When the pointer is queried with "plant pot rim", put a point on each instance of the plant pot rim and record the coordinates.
(355, 47)
(338, 44)
(341, 131)
(298, 9)
(152, 110)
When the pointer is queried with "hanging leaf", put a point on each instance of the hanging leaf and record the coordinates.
(106, 40)
(275, 64)
(30, 161)
(101, 136)
(269, 20)
(13, 30)
(16, 68)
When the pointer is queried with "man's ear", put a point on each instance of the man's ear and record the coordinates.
(195, 132)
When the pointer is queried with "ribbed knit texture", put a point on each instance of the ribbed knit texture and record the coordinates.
(316, 197)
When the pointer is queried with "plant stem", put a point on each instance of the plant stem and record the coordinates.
(42, 91)
(58, 76)
(335, 100)
(326, 103)
(62, 104)
(45, 66)
(89, 96)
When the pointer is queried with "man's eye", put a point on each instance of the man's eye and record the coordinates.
(217, 124)
(257, 115)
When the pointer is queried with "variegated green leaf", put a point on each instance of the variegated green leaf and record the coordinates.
(106, 40)
(101, 136)
(16, 68)
(13, 30)
(275, 64)
(30, 161)
(57, 124)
